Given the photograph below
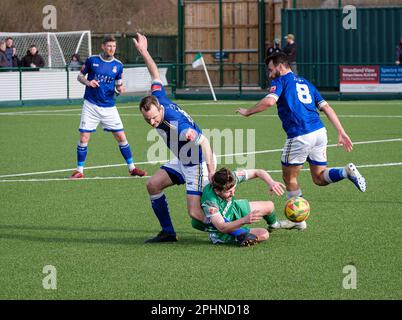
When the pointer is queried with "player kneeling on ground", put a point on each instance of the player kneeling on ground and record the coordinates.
(227, 214)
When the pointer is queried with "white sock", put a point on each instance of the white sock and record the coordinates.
(131, 166)
(156, 196)
(80, 169)
(296, 193)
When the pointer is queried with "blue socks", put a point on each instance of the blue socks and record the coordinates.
(126, 152)
(82, 150)
(161, 209)
(334, 174)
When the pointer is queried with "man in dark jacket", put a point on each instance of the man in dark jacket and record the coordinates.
(291, 50)
(275, 48)
(3, 57)
(33, 59)
(398, 59)
(11, 53)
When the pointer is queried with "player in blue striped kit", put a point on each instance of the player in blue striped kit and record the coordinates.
(194, 163)
(298, 105)
(103, 81)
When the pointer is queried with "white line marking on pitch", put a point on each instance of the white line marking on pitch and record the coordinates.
(209, 115)
(199, 115)
(122, 107)
(165, 160)
(120, 178)
(184, 103)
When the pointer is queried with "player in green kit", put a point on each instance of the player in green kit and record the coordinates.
(225, 213)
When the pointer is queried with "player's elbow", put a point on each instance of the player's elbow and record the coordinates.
(327, 109)
(267, 102)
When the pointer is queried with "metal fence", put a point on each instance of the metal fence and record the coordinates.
(162, 48)
(22, 84)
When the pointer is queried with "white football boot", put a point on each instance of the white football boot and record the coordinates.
(355, 176)
(289, 225)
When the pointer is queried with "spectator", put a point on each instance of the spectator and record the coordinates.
(275, 48)
(399, 53)
(75, 63)
(3, 57)
(291, 50)
(11, 53)
(33, 59)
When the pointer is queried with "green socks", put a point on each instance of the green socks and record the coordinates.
(271, 218)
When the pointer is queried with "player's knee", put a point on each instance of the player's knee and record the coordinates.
(268, 207)
(84, 139)
(319, 180)
(286, 179)
(152, 186)
(289, 179)
(263, 235)
(120, 136)
(196, 214)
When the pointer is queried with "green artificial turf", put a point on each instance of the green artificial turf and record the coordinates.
(93, 231)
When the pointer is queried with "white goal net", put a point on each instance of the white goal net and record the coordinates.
(55, 47)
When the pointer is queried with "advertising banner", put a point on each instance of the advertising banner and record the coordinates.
(372, 79)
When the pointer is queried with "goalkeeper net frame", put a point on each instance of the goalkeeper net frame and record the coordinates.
(55, 47)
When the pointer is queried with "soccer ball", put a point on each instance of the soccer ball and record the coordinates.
(297, 209)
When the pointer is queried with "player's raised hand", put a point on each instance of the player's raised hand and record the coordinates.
(140, 42)
(242, 111)
(344, 140)
(93, 83)
(277, 188)
(253, 216)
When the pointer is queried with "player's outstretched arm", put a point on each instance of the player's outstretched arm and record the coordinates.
(226, 227)
(343, 138)
(275, 187)
(141, 44)
(259, 107)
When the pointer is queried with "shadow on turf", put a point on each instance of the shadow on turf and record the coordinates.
(76, 229)
(193, 237)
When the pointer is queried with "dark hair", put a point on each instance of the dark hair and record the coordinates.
(277, 58)
(33, 46)
(108, 38)
(147, 101)
(9, 38)
(223, 180)
(77, 56)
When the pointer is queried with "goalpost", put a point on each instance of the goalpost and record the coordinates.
(55, 47)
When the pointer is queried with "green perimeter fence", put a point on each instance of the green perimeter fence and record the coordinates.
(25, 83)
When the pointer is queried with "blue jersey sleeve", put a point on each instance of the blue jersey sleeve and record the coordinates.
(120, 73)
(317, 98)
(158, 90)
(276, 89)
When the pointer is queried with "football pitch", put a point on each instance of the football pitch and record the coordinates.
(92, 231)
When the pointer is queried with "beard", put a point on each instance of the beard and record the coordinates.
(275, 75)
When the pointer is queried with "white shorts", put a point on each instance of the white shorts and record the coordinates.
(311, 147)
(92, 115)
(195, 177)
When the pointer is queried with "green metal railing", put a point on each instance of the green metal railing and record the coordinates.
(325, 76)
